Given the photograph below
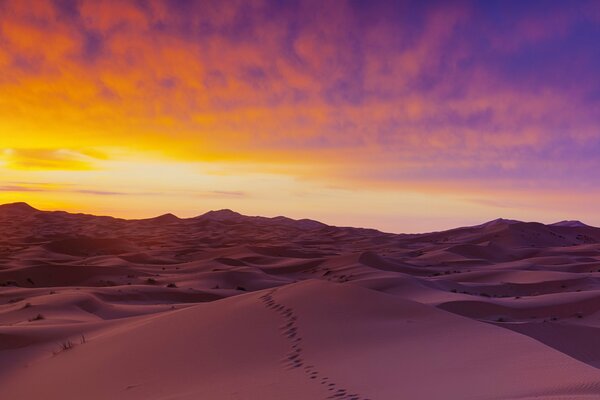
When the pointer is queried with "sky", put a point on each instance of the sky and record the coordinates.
(405, 116)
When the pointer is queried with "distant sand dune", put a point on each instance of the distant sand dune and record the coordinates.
(225, 306)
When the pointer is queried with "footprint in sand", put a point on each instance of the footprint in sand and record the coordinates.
(293, 358)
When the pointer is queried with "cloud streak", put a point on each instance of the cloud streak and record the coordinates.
(50, 159)
(68, 188)
(25, 187)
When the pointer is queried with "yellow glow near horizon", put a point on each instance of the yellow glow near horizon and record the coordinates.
(149, 187)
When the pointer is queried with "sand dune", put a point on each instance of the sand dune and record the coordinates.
(226, 306)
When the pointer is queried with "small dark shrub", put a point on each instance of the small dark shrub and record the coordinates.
(151, 281)
(66, 345)
(16, 300)
(38, 317)
(171, 285)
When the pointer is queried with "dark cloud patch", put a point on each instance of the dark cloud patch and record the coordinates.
(254, 76)
(92, 46)
(67, 8)
(168, 82)
(346, 91)
(91, 41)
(107, 93)
(30, 64)
(214, 79)
(20, 188)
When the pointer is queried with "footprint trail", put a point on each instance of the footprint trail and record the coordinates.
(295, 357)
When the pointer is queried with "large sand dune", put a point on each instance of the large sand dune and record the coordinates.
(224, 306)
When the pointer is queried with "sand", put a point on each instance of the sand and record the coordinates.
(225, 306)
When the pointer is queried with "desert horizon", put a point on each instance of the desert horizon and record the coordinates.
(226, 306)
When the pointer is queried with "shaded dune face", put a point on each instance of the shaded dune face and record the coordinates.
(225, 306)
(88, 246)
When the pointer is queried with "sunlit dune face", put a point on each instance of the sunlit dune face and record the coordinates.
(403, 116)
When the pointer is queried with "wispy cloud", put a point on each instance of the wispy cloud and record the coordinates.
(24, 187)
(226, 193)
(114, 193)
(20, 189)
(50, 159)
